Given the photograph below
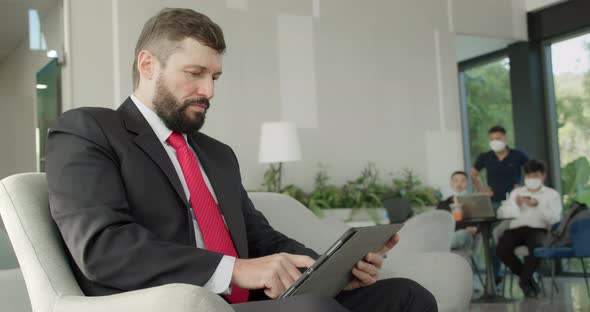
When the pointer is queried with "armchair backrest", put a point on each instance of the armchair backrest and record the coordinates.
(430, 231)
(580, 234)
(24, 207)
(293, 219)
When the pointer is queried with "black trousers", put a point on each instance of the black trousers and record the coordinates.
(394, 294)
(530, 237)
(389, 295)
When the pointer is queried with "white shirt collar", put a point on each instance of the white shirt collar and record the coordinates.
(162, 132)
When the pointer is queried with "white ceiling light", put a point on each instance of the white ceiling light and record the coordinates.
(52, 54)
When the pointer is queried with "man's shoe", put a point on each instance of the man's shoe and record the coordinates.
(498, 280)
(527, 289)
(536, 287)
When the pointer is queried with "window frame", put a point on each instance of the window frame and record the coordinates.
(463, 66)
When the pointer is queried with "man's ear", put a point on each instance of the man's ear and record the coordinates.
(146, 64)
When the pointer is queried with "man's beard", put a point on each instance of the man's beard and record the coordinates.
(174, 114)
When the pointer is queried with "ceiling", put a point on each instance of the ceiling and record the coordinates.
(14, 21)
(533, 5)
(468, 46)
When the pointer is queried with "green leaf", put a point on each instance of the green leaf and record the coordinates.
(584, 197)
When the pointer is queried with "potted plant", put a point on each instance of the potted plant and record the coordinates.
(360, 199)
(408, 185)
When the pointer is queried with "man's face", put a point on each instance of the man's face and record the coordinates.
(185, 86)
(459, 183)
(497, 136)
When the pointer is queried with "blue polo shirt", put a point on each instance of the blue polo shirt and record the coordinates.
(502, 175)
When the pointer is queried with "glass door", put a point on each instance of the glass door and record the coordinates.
(48, 105)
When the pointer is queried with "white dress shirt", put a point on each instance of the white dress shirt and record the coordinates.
(542, 216)
(220, 280)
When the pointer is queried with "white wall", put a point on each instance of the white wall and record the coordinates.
(17, 110)
(374, 81)
(17, 137)
(489, 18)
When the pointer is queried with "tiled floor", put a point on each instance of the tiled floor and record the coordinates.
(572, 297)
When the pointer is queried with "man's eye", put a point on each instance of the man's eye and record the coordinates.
(194, 74)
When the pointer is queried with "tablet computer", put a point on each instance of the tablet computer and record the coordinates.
(333, 270)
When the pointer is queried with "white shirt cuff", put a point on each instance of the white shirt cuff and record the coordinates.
(221, 278)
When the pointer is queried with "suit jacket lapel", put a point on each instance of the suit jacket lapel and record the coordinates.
(228, 202)
(147, 140)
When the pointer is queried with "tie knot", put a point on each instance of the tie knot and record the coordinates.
(176, 140)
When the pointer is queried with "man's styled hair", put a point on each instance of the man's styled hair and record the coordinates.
(533, 166)
(495, 129)
(459, 172)
(163, 33)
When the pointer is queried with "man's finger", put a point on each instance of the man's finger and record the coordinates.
(275, 288)
(286, 279)
(300, 261)
(363, 277)
(390, 243)
(291, 270)
(374, 259)
(367, 268)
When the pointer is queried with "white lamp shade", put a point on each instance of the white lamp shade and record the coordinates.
(279, 142)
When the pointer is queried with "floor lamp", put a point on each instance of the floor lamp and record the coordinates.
(279, 143)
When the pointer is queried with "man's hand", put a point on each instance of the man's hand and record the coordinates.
(531, 202)
(471, 230)
(525, 200)
(365, 271)
(519, 201)
(273, 273)
(489, 191)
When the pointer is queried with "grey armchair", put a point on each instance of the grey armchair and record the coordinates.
(430, 231)
(51, 285)
(49, 280)
(423, 253)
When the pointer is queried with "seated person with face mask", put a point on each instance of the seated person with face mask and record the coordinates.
(539, 207)
(464, 237)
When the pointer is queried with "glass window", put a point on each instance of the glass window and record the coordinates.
(571, 77)
(570, 68)
(488, 102)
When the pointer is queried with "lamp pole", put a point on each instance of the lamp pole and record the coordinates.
(280, 176)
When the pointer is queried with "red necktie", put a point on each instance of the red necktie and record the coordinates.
(211, 224)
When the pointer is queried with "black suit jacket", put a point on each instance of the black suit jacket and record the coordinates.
(121, 209)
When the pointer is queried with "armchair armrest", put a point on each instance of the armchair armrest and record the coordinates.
(167, 298)
(446, 275)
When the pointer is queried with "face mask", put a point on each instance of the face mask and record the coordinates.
(497, 145)
(533, 184)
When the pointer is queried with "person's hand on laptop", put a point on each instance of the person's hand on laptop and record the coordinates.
(471, 230)
(274, 273)
(366, 271)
